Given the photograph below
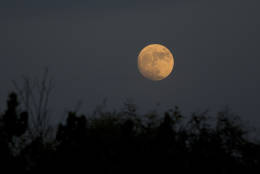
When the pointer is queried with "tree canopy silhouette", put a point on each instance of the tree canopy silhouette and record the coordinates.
(127, 142)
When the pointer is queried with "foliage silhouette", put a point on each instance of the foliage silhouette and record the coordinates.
(13, 124)
(126, 142)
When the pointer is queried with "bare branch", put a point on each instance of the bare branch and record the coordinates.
(35, 94)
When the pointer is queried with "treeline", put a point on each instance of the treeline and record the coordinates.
(125, 142)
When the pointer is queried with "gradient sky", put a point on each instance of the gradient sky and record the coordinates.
(91, 49)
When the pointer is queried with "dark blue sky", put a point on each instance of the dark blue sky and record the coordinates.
(91, 50)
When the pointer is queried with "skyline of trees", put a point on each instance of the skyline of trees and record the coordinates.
(127, 142)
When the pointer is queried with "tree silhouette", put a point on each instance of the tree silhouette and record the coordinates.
(127, 142)
(13, 124)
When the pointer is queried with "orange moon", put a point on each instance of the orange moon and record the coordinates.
(155, 62)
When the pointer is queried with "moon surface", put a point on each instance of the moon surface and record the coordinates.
(155, 62)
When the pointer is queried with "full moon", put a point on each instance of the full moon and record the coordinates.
(155, 62)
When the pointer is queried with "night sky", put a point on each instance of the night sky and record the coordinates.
(91, 49)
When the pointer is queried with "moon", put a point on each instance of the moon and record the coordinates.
(155, 62)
